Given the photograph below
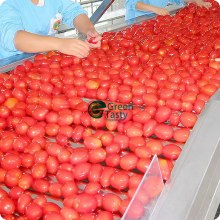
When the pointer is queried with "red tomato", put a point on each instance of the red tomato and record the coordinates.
(171, 151)
(95, 173)
(85, 203)
(106, 175)
(128, 161)
(162, 114)
(188, 119)
(69, 213)
(104, 215)
(81, 171)
(111, 202)
(119, 180)
(33, 211)
(154, 147)
(7, 206)
(112, 160)
(92, 142)
(181, 135)
(164, 132)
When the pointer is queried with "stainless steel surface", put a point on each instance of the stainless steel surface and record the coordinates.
(193, 193)
(9, 63)
(101, 10)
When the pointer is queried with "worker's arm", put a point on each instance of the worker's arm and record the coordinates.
(34, 43)
(150, 8)
(200, 3)
(83, 24)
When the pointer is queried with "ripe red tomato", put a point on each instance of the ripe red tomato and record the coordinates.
(128, 161)
(81, 171)
(105, 177)
(10, 161)
(163, 131)
(119, 180)
(188, 119)
(111, 202)
(69, 213)
(23, 201)
(85, 203)
(171, 151)
(33, 211)
(181, 135)
(162, 114)
(154, 147)
(7, 206)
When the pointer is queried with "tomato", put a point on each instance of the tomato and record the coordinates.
(122, 140)
(124, 205)
(81, 171)
(52, 216)
(64, 176)
(39, 171)
(150, 99)
(33, 211)
(87, 216)
(95, 173)
(85, 203)
(40, 200)
(112, 160)
(10, 161)
(52, 164)
(133, 131)
(171, 151)
(154, 147)
(188, 119)
(50, 207)
(164, 132)
(106, 175)
(128, 161)
(15, 192)
(92, 143)
(23, 201)
(69, 213)
(7, 206)
(141, 117)
(55, 189)
(166, 167)
(111, 202)
(135, 142)
(181, 135)
(26, 181)
(79, 155)
(119, 180)
(104, 215)
(97, 155)
(41, 185)
(162, 114)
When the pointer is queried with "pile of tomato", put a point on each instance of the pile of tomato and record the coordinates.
(58, 162)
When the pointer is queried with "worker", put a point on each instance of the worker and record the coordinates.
(136, 8)
(30, 25)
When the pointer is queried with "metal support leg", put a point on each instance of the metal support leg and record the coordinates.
(101, 10)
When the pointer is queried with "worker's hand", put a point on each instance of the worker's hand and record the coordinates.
(74, 47)
(160, 11)
(202, 3)
(93, 38)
